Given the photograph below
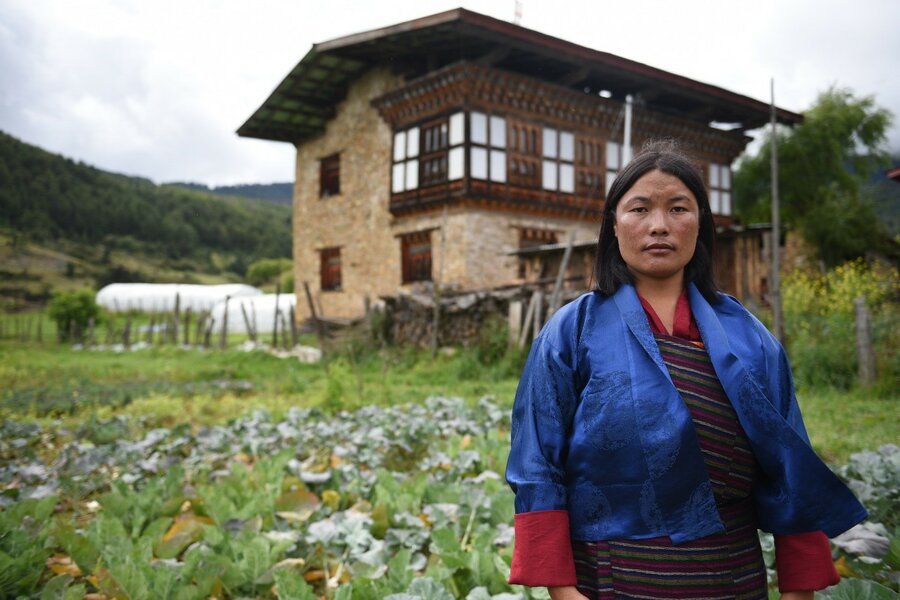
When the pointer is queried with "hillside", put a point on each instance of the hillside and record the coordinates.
(279, 193)
(101, 227)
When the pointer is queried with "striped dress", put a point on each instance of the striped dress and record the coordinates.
(727, 565)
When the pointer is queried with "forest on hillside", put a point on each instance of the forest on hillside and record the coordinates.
(47, 197)
(279, 193)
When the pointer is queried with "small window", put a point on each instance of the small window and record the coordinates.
(415, 256)
(330, 176)
(614, 162)
(720, 189)
(559, 154)
(330, 269)
(487, 133)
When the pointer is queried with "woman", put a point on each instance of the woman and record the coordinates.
(655, 426)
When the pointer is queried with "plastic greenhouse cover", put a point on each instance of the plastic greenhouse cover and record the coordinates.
(260, 311)
(160, 297)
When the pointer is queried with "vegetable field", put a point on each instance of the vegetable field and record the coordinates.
(402, 502)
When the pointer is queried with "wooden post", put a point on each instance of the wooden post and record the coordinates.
(514, 321)
(275, 324)
(126, 333)
(187, 326)
(207, 335)
(864, 352)
(775, 284)
(284, 335)
(247, 323)
(320, 330)
(199, 332)
(436, 287)
(223, 341)
(293, 318)
(176, 318)
(555, 297)
(529, 317)
(91, 340)
(538, 312)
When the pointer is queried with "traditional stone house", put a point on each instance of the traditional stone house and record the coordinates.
(433, 150)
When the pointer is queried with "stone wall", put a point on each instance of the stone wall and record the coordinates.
(357, 219)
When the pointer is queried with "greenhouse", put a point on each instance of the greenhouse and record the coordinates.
(161, 297)
(259, 310)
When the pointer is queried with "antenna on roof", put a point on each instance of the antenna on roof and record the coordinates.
(517, 19)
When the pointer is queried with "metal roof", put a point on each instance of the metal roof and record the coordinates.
(305, 100)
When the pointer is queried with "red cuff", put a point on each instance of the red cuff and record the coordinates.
(803, 562)
(542, 555)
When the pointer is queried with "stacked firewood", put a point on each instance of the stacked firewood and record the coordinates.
(409, 318)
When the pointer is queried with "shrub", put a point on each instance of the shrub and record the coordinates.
(72, 312)
(267, 269)
(820, 322)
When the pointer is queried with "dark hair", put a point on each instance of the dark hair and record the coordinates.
(610, 270)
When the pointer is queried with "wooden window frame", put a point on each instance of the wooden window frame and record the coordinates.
(330, 175)
(330, 269)
(416, 256)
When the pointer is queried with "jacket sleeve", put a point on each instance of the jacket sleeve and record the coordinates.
(803, 562)
(542, 413)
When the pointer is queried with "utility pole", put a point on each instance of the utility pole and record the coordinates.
(775, 285)
(626, 136)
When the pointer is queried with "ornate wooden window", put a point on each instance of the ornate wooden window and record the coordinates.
(429, 154)
(720, 189)
(589, 161)
(487, 152)
(330, 176)
(415, 256)
(524, 155)
(330, 269)
(405, 171)
(558, 168)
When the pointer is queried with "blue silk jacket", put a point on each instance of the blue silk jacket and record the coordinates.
(599, 430)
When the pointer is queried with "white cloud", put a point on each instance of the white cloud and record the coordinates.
(158, 88)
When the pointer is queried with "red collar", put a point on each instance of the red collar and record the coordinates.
(684, 327)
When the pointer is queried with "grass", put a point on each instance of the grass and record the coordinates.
(841, 423)
(165, 386)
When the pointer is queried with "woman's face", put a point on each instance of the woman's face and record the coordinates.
(657, 224)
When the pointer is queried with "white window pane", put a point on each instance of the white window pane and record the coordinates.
(725, 179)
(478, 163)
(566, 178)
(713, 175)
(498, 165)
(399, 145)
(714, 202)
(549, 143)
(412, 174)
(549, 175)
(412, 142)
(610, 177)
(478, 124)
(566, 146)
(455, 163)
(726, 203)
(457, 129)
(498, 132)
(612, 156)
(397, 178)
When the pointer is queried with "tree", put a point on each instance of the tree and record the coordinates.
(823, 163)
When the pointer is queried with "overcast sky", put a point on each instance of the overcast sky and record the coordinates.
(157, 88)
